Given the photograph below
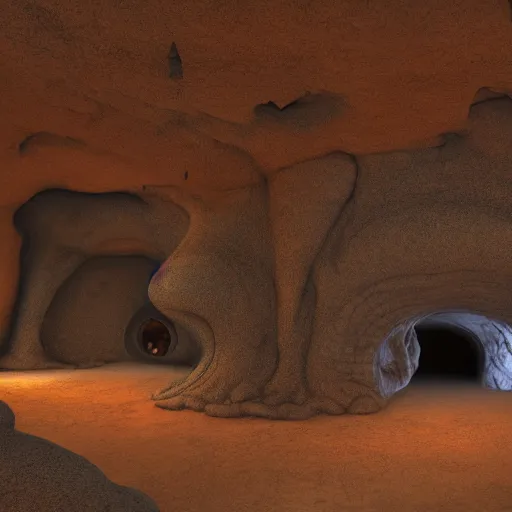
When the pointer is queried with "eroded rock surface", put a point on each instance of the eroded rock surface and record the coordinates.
(303, 289)
(36, 474)
(306, 215)
(62, 230)
(410, 234)
(86, 320)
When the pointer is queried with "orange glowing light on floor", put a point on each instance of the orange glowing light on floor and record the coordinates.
(450, 439)
(30, 379)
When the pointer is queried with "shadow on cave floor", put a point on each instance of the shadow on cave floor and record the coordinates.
(448, 357)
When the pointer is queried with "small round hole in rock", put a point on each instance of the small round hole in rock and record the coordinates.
(155, 338)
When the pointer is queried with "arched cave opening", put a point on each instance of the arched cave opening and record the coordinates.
(155, 338)
(447, 346)
(448, 353)
(83, 294)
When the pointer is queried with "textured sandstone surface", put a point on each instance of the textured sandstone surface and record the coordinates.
(449, 437)
(62, 231)
(312, 191)
(77, 329)
(39, 475)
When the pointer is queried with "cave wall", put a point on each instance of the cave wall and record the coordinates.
(311, 193)
(302, 291)
(86, 320)
(86, 261)
(410, 233)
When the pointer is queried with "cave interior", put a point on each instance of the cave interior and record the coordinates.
(255, 256)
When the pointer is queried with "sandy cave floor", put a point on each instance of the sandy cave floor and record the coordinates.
(437, 447)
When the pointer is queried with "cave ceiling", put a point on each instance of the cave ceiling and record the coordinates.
(102, 95)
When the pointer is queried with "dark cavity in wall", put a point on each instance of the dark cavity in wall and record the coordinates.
(271, 108)
(312, 110)
(175, 63)
(448, 353)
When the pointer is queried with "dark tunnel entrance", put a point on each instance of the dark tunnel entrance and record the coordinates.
(448, 354)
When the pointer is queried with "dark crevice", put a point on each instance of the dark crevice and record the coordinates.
(309, 111)
(271, 108)
(175, 63)
(288, 106)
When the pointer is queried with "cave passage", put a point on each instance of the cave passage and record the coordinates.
(155, 338)
(447, 354)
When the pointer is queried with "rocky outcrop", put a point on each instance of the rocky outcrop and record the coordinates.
(36, 474)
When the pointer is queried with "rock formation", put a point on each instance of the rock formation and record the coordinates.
(302, 290)
(39, 475)
(303, 218)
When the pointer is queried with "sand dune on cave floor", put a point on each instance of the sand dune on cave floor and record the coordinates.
(437, 446)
